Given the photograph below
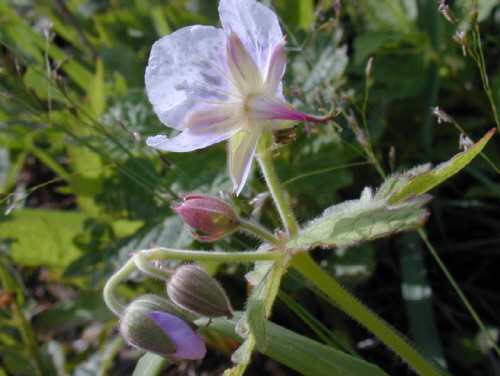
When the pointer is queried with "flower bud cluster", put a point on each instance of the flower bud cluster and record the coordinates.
(158, 325)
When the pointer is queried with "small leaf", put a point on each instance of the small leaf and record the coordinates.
(51, 244)
(256, 310)
(397, 206)
(241, 357)
(329, 67)
(356, 221)
(256, 321)
(399, 179)
(425, 181)
(265, 279)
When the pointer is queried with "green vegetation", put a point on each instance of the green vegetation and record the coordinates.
(81, 191)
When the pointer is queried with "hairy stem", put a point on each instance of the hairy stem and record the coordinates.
(259, 231)
(264, 157)
(354, 308)
(109, 288)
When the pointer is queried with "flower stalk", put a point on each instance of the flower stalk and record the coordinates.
(354, 308)
(256, 230)
(109, 288)
(264, 157)
(142, 258)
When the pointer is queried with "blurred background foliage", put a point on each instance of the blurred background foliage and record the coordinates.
(81, 190)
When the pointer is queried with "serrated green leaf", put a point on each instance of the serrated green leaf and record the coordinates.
(397, 206)
(356, 221)
(329, 67)
(264, 279)
(425, 181)
(399, 179)
(256, 321)
(303, 354)
(51, 244)
(241, 357)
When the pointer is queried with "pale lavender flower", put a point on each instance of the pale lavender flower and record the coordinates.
(217, 84)
(154, 324)
(188, 343)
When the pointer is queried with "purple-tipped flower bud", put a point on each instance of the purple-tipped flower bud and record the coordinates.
(209, 215)
(154, 324)
(193, 289)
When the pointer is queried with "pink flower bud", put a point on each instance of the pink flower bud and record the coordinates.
(209, 215)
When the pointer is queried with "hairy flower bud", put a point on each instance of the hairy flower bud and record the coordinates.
(193, 289)
(209, 215)
(154, 324)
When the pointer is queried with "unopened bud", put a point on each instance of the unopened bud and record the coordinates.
(209, 215)
(473, 18)
(461, 38)
(193, 289)
(369, 66)
(445, 10)
(154, 324)
(441, 115)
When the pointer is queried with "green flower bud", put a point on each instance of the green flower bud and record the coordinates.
(194, 290)
(154, 324)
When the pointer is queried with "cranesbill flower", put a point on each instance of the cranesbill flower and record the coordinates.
(187, 342)
(154, 324)
(217, 84)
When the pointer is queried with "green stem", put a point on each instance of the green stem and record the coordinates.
(145, 266)
(350, 305)
(140, 259)
(109, 289)
(169, 254)
(264, 157)
(259, 231)
(454, 283)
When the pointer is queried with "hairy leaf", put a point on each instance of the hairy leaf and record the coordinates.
(421, 182)
(356, 221)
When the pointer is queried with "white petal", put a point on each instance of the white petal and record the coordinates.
(256, 25)
(242, 147)
(188, 69)
(276, 69)
(199, 139)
